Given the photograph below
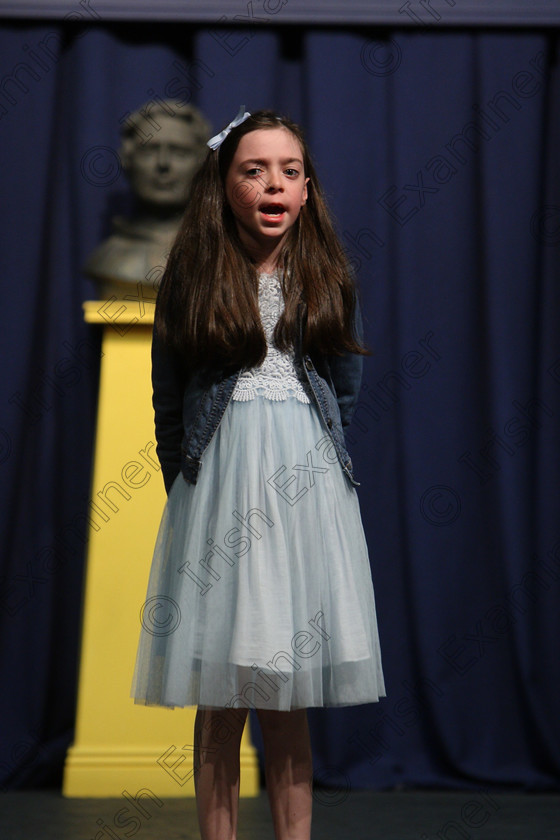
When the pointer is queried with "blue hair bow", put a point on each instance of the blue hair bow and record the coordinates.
(216, 141)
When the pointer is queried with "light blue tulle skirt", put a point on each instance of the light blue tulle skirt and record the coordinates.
(260, 591)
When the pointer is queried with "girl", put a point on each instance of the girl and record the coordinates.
(261, 566)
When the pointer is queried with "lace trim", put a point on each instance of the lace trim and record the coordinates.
(277, 377)
(246, 393)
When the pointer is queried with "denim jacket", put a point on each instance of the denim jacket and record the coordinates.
(189, 407)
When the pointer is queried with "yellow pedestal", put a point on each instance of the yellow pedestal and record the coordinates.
(119, 746)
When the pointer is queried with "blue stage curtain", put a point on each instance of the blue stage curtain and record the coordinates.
(438, 151)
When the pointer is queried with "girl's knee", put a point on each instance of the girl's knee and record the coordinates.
(274, 722)
(220, 726)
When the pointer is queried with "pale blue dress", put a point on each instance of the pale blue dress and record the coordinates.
(260, 592)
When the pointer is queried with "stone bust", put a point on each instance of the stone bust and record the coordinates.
(162, 146)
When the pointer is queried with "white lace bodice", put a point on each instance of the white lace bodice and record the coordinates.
(276, 378)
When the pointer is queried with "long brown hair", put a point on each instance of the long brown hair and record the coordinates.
(207, 307)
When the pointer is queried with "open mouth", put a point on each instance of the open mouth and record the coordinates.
(272, 209)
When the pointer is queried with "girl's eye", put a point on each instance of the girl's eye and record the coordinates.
(291, 172)
(255, 171)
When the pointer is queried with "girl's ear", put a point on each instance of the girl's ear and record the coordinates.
(304, 196)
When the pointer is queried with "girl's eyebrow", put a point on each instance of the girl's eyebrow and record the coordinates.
(264, 162)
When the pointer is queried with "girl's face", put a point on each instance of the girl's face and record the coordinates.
(266, 188)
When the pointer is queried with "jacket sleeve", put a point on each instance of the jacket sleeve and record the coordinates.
(168, 384)
(346, 372)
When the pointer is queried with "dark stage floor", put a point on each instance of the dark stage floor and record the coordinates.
(337, 816)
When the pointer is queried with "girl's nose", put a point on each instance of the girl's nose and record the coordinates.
(274, 180)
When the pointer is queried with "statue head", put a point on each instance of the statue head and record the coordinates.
(163, 144)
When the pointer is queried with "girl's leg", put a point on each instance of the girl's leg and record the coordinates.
(217, 739)
(288, 770)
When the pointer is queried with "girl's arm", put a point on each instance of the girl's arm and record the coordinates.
(346, 372)
(168, 383)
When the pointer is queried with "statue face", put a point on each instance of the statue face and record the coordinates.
(160, 170)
